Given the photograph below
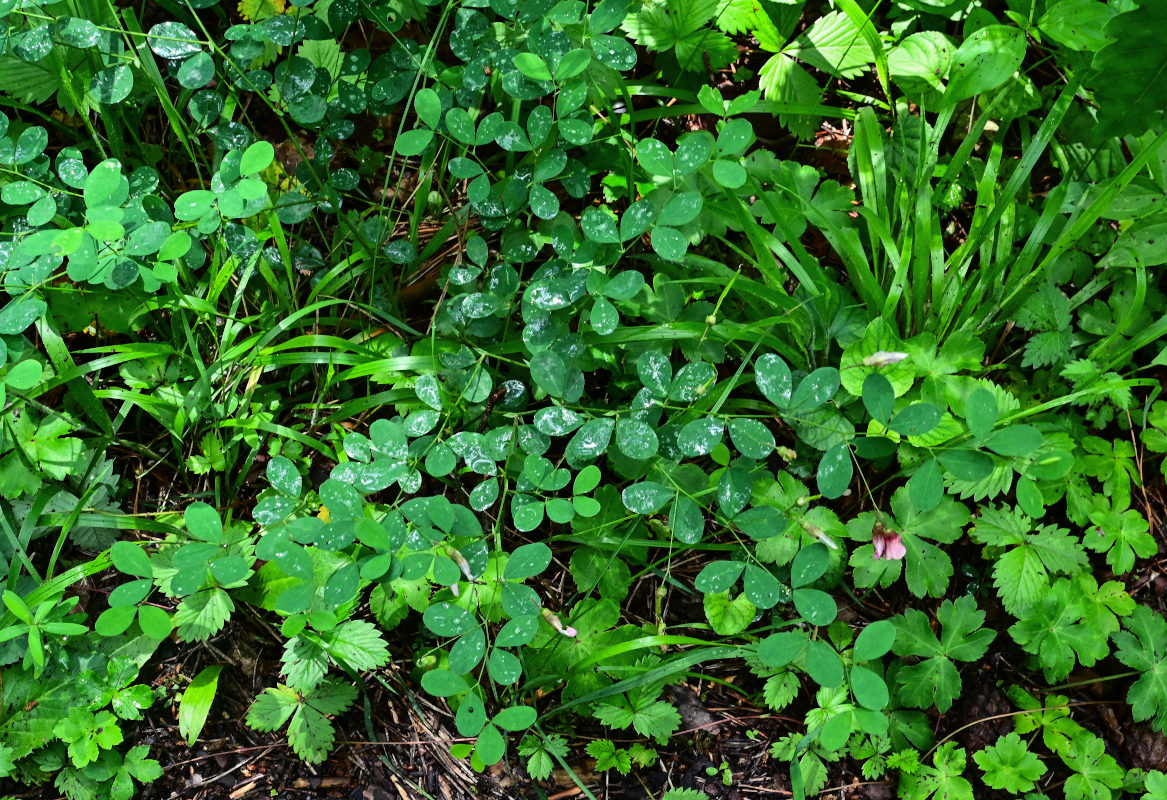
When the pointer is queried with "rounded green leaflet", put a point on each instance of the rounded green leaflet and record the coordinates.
(815, 606)
(504, 667)
(572, 64)
(468, 652)
(484, 495)
(646, 497)
(869, 689)
(733, 490)
(549, 372)
(779, 649)
(24, 375)
(655, 372)
(669, 243)
(637, 219)
(29, 145)
(560, 510)
(440, 460)
(256, 158)
(834, 732)
(809, 564)
(590, 442)
(131, 559)
(544, 203)
(461, 126)
(104, 180)
(491, 747)
(926, 487)
(699, 437)
(835, 471)
(576, 132)
(202, 522)
(751, 438)
(447, 620)
(655, 157)
(516, 718)
(20, 313)
(687, 520)
(761, 522)
(428, 391)
(772, 376)
(681, 209)
(527, 561)
(967, 465)
(599, 225)
(1029, 497)
(729, 174)
(735, 137)
(471, 715)
(173, 40)
(761, 587)
(815, 389)
(443, 683)
(532, 66)
(874, 641)
(112, 84)
(518, 632)
(428, 106)
(878, 397)
(718, 576)
(197, 71)
(78, 32)
(693, 152)
(42, 211)
(917, 419)
(1015, 440)
(614, 51)
(284, 477)
(980, 412)
(624, 285)
(823, 664)
(557, 420)
(131, 593)
(604, 318)
(115, 620)
(155, 622)
(413, 143)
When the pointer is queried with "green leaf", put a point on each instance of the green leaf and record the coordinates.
(195, 704)
(428, 106)
(985, 60)
(114, 84)
(131, 559)
(256, 158)
(1130, 84)
(1009, 765)
(1095, 774)
(751, 438)
(779, 649)
(833, 44)
(926, 487)
(1143, 646)
(173, 40)
(869, 689)
(1015, 440)
(815, 389)
(718, 576)
(1077, 24)
(414, 142)
(532, 66)
(447, 620)
(835, 471)
(878, 397)
(916, 420)
(515, 718)
(810, 564)
(728, 616)
(646, 497)
(527, 561)
(815, 606)
(699, 437)
(874, 640)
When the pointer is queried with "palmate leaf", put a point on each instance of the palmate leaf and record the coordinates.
(1143, 646)
(1052, 630)
(683, 25)
(1130, 86)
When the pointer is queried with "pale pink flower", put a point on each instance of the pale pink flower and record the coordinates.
(555, 623)
(888, 543)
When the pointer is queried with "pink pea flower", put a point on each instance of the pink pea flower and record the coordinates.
(888, 543)
(555, 623)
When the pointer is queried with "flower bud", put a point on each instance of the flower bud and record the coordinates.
(883, 358)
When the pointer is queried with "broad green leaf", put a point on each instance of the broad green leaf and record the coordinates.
(985, 60)
(1130, 84)
(772, 376)
(727, 615)
(718, 576)
(195, 704)
(646, 497)
(835, 471)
